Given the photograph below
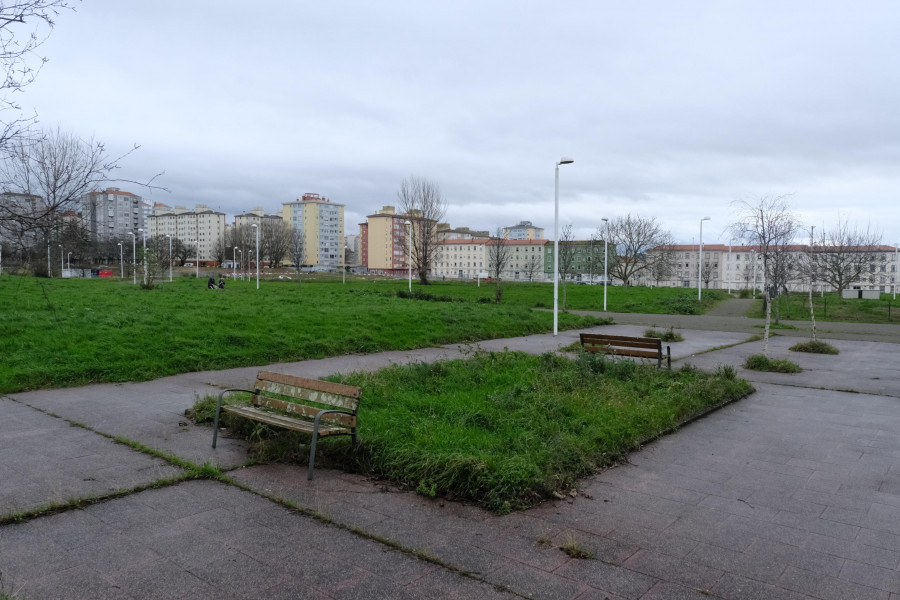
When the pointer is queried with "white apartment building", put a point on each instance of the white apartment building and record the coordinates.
(739, 267)
(469, 258)
(201, 227)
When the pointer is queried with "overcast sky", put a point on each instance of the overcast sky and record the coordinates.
(675, 110)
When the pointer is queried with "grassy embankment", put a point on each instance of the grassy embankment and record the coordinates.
(832, 307)
(58, 333)
(507, 429)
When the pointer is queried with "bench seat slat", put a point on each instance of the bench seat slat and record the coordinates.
(623, 351)
(264, 416)
(302, 410)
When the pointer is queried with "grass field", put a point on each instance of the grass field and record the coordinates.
(506, 429)
(832, 307)
(57, 333)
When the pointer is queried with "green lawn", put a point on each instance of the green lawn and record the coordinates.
(506, 429)
(57, 333)
(832, 307)
(579, 297)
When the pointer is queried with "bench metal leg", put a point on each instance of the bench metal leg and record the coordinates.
(312, 453)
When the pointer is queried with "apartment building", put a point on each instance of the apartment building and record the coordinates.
(523, 231)
(201, 227)
(739, 267)
(383, 242)
(112, 213)
(322, 224)
(469, 258)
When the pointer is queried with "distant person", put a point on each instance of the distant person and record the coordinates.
(221, 283)
(211, 284)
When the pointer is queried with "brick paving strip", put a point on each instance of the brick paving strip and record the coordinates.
(793, 492)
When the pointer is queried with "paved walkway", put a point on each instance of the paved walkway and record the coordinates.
(793, 492)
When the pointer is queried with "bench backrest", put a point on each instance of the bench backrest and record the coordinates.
(624, 345)
(315, 394)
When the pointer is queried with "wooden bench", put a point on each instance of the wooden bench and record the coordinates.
(622, 345)
(319, 408)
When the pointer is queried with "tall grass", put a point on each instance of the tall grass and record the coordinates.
(507, 429)
(56, 333)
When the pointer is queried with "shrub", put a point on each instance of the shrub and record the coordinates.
(668, 335)
(815, 347)
(761, 362)
(681, 305)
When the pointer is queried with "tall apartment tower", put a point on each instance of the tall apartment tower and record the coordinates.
(382, 239)
(322, 224)
(112, 213)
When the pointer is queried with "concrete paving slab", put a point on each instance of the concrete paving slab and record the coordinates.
(728, 504)
(861, 366)
(180, 553)
(44, 460)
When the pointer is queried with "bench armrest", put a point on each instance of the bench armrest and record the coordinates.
(219, 409)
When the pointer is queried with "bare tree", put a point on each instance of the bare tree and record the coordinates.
(423, 204)
(34, 19)
(499, 256)
(532, 265)
(566, 257)
(769, 225)
(664, 262)
(706, 273)
(298, 241)
(44, 178)
(634, 239)
(845, 254)
(277, 235)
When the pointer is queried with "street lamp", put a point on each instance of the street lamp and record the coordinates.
(49, 270)
(605, 260)
(69, 262)
(256, 227)
(700, 262)
(197, 263)
(242, 264)
(121, 261)
(170, 256)
(896, 269)
(144, 257)
(729, 265)
(234, 263)
(133, 257)
(61, 263)
(562, 161)
(409, 253)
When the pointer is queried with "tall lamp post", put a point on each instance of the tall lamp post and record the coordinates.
(121, 261)
(69, 262)
(49, 270)
(256, 227)
(700, 262)
(144, 257)
(242, 264)
(896, 269)
(197, 264)
(729, 266)
(234, 263)
(61, 263)
(753, 258)
(409, 253)
(133, 257)
(562, 161)
(605, 259)
(170, 257)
